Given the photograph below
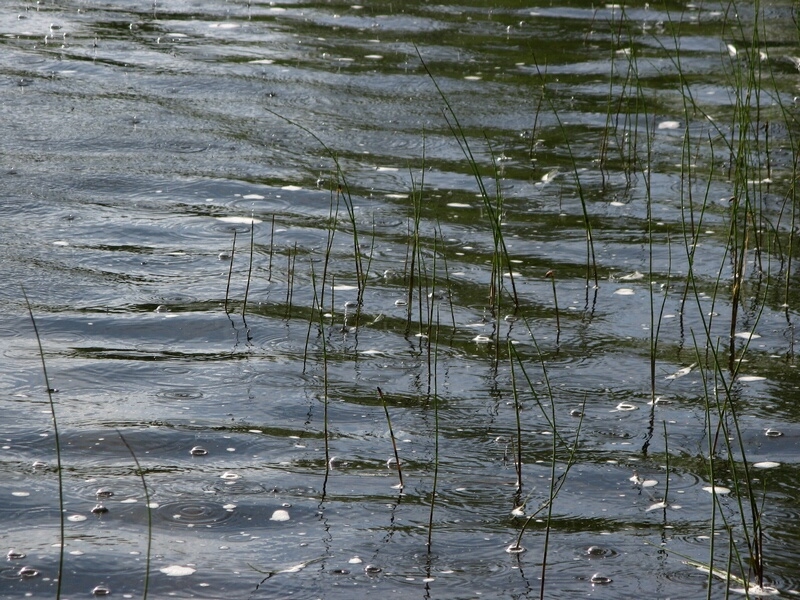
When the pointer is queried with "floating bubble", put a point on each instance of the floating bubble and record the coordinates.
(230, 476)
(635, 276)
(600, 579)
(372, 569)
(280, 515)
(239, 220)
(746, 335)
(355, 561)
(624, 292)
(20, 494)
(772, 433)
(104, 493)
(575, 413)
(101, 590)
(751, 378)
(15, 554)
(767, 464)
(755, 590)
(515, 549)
(177, 571)
(76, 518)
(99, 509)
(481, 339)
(669, 125)
(198, 451)
(626, 406)
(681, 372)
(717, 489)
(459, 205)
(28, 572)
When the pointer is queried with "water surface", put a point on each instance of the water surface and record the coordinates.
(137, 140)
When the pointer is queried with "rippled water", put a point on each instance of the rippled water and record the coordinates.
(138, 138)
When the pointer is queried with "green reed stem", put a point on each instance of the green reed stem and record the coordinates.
(435, 397)
(140, 472)
(344, 189)
(250, 268)
(230, 272)
(271, 248)
(491, 209)
(59, 469)
(391, 435)
(592, 261)
(324, 382)
(552, 275)
(518, 448)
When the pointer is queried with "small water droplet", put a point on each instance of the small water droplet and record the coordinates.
(101, 590)
(198, 451)
(600, 579)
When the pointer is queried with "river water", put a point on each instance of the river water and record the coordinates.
(237, 221)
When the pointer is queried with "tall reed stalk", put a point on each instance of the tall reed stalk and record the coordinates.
(140, 472)
(391, 435)
(492, 207)
(59, 469)
(230, 272)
